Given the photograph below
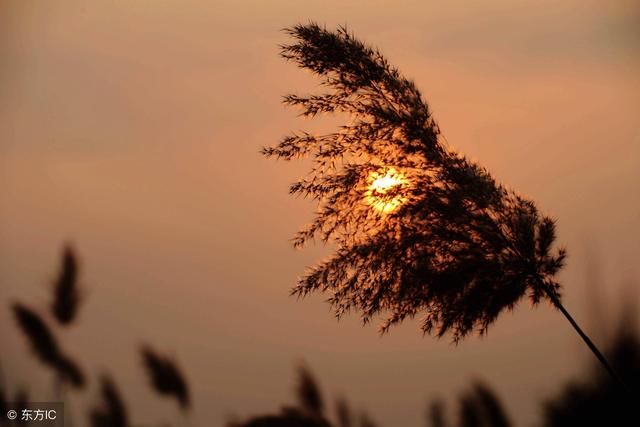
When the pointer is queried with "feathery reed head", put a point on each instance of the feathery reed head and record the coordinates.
(42, 341)
(478, 407)
(66, 292)
(112, 411)
(365, 421)
(436, 415)
(343, 413)
(166, 378)
(309, 411)
(45, 346)
(419, 229)
(69, 371)
(488, 406)
(309, 395)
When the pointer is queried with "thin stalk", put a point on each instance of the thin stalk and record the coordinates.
(588, 341)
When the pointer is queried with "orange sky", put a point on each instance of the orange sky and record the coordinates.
(133, 130)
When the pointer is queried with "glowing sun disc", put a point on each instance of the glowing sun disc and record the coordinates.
(382, 192)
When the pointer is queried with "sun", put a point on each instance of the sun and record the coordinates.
(383, 190)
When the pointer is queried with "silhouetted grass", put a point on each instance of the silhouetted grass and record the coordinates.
(19, 399)
(70, 371)
(343, 413)
(366, 421)
(66, 292)
(478, 407)
(309, 395)
(166, 378)
(288, 418)
(598, 401)
(112, 411)
(482, 408)
(310, 409)
(45, 346)
(436, 415)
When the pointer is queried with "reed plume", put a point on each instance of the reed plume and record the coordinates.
(112, 411)
(309, 396)
(70, 371)
(45, 346)
(343, 413)
(478, 407)
(419, 229)
(492, 408)
(66, 291)
(436, 415)
(166, 378)
(457, 246)
(482, 408)
(366, 421)
(310, 409)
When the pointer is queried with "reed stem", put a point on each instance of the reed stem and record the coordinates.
(588, 341)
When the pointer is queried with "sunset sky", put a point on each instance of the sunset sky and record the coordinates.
(133, 130)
